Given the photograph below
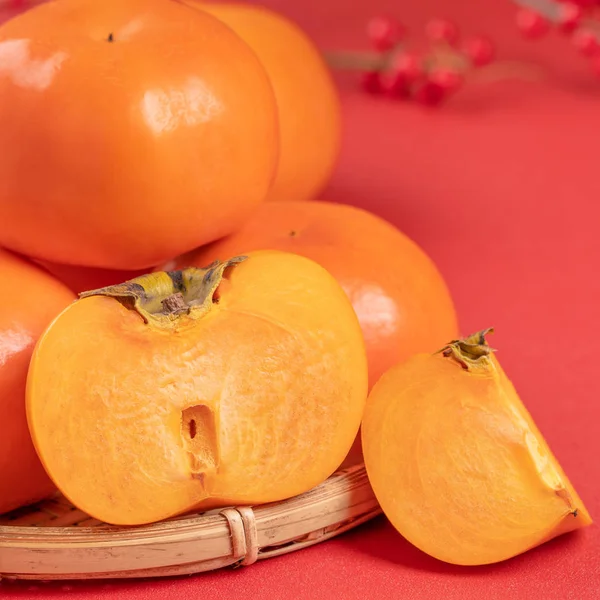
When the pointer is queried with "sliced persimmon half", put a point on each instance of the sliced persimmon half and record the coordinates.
(242, 383)
(457, 462)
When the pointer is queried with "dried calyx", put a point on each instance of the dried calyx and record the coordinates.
(164, 296)
(470, 351)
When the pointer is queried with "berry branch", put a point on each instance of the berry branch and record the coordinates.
(577, 19)
(393, 70)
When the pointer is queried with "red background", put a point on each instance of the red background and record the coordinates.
(501, 187)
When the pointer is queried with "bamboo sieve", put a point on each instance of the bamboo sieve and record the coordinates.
(54, 540)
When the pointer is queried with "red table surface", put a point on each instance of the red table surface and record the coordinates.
(502, 188)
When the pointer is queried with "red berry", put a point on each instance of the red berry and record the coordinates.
(371, 82)
(569, 16)
(531, 23)
(397, 86)
(442, 30)
(384, 33)
(480, 50)
(408, 66)
(447, 79)
(586, 42)
(404, 72)
(429, 94)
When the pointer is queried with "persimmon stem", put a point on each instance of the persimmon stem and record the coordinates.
(175, 304)
(469, 350)
(163, 296)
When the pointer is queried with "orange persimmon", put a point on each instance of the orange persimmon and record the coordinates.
(29, 300)
(130, 131)
(82, 279)
(399, 295)
(307, 98)
(457, 462)
(243, 383)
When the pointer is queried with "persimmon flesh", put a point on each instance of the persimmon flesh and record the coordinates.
(241, 383)
(457, 462)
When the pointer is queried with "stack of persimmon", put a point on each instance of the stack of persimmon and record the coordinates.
(187, 324)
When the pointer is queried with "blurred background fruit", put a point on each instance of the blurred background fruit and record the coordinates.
(309, 107)
(117, 153)
(29, 300)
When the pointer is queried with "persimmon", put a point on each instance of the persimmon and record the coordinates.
(29, 300)
(307, 98)
(82, 279)
(243, 383)
(402, 301)
(130, 131)
(457, 463)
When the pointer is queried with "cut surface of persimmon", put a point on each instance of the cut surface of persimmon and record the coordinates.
(130, 131)
(402, 301)
(241, 383)
(308, 105)
(29, 300)
(457, 463)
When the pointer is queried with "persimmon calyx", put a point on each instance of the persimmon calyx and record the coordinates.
(164, 296)
(471, 351)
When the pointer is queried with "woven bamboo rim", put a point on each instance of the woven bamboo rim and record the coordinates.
(54, 540)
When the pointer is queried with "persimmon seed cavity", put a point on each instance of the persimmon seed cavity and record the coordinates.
(199, 436)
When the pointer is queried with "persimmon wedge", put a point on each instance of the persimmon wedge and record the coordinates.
(244, 383)
(457, 463)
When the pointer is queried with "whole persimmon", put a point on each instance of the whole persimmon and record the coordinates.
(130, 130)
(241, 383)
(398, 293)
(82, 279)
(457, 463)
(29, 300)
(307, 98)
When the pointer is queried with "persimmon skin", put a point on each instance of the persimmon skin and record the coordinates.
(83, 279)
(402, 301)
(274, 377)
(459, 466)
(29, 300)
(308, 102)
(130, 131)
